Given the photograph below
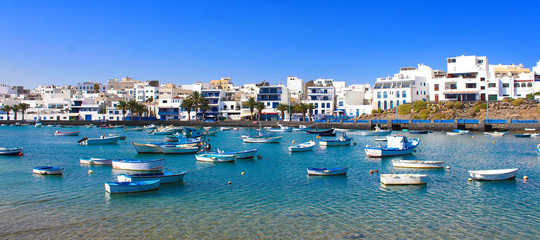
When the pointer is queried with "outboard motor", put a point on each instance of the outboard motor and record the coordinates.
(82, 139)
(208, 147)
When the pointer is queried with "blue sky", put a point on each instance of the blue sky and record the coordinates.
(66, 42)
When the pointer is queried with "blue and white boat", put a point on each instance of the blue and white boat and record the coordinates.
(129, 187)
(164, 177)
(98, 141)
(250, 153)
(538, 148)
(48, 170)
(95, 161)
(281, 128)
(178, 148)
(377, 132)
(327, 171)
(215, 157)
(261, 138)
(396, 145)
(526, 135)
(192, 132)
(11, 151)
(138, 164)
(302, 147)
(341, 140)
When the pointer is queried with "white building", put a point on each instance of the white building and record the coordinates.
(355, 100)
(272, 96)
(323, 99)
(89, 87)
(407, 86)
(511, 81)
(295, 86)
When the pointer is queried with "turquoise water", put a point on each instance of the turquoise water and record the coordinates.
(274, 198)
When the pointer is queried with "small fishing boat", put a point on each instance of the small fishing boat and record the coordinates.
(340, 140)
(165, 177)
(207, 128)
(530, 129)
(538, 148)
(192, 132)
(48, 170)
(396, 145)
(417, 164)
(116, 135)
(11, 151)
(327, 171)
(95, 161)
(151, 126)
(302, 147)
(138, 164)
(129, 187)
(300, 128)
(281, 128)
(377, 132)
(105, 127)
(535, 135)
(178, 148)
(58, 133)
(327, 134)
(38, 124)
(526, 135)
(455, 133)
(403, 179)
(250, 153)
(380, 140)
(89, 126)
(215, 157)
(493, 175)
(499, 134)
(133, 129)
(98, 141)
(343, 130)
(268, 139)
(226, 128)
(418, 131)
(460, 130)
(323, 131)
(147, 148)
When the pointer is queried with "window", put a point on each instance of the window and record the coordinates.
(397, 93)
(506, 85)
(453, 86)
(523, 85)
(529, 84)
(404, 102)
(385, 94)
(391, 104)
(480, 61)
(451, 60)
(416, 92)
(492, 85)
(397, 103)
(385, 105)
(341, 104)
(316, 105)
(482, 87)
(404, 94)
(470, 85)
(378, 104)
(378, 94)
(482, 79)
(436, 87)
(164, 101)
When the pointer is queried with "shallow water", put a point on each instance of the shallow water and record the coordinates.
(274, 198)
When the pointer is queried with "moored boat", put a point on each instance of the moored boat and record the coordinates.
(138, 164)
(341, 140)
(302, 147)
(58, 133)
(268, 139)
(164, 177)
(418, 131)
(250, 153)
(48, 170)
(146, 148)
(403, 179)
(377, 132)
(226, 128)
(98, 141)
(129, 187)
(95, 161)
(281, 128)
(192, 132)
(151, 126)
(11, 151)
(417, 164)
(493, 175)
(322, 131)
(215, 157)
(327, 171)
(396, 145)
(526, 135)
(455, 133)
(178, 148)
(133, 129)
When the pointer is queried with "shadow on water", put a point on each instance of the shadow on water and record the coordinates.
(404, 188)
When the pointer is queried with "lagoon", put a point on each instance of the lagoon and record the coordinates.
(275, 198)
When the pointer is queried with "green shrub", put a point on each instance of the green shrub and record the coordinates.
(479, 103)
(517, 102)
(458, 105)
(419, 105)
(374, 111)
(480, 106)
(449, 105)
(404, 109)
(508, 99)
(438, 116)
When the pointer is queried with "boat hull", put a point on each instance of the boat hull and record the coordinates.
(48, 170)
(129, 187)
(147, 148)
(303, 147)
(335, 143)
(138, 165)
(403, 179)
(246, 153)
(76, 133)
(379, 152)
(327, 131)
(262, 140)
(493, 175)
(215, 158)
(327, 171)
(95, 161)
(100, 141)
(11, 151)
(417, 164)
(166, 177)
(178, 149)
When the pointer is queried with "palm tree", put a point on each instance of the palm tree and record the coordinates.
(7, 109)
(96, 88)
(310, 108)
(282, 108)
(301, 107)
(132, 105)
(23, 107)
(122, 105)
(196, 98)
(141, 109)
(204, 106)
(260, 106)
(251, 103)
(16, 109)
(187, 104)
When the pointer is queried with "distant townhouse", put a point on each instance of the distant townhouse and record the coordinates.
(90, 87)
(354, 101)
(215, 100)
(407, 86)
(509, 81)
(322, 96)
(272, 96)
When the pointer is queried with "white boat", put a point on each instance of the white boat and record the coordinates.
(380, 140)
(89, 126)
(499, 134)
(499, 174)
(226, 128)
(530, 129)
(417, 164)
(207, 128)
(135, 129)
(178, 148)
(165, 177)
(327, 171)
(151, 126)
(340, 140)
(138, 164)
(95, 161)
(302, 147)
(250, 153)
(396, 145)
(403, 179)
(48, 170)
(300, 128)
(58, 133)
(455, 133)
(343, 130)
(281, 129)
(377, 132)
(215, 157)
(11, 151)
(535, 135)
(268, 139)
(147, 148)
(97, 141)
(38, 124)
(129, 187)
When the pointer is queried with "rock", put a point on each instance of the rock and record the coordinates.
(353, 235)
